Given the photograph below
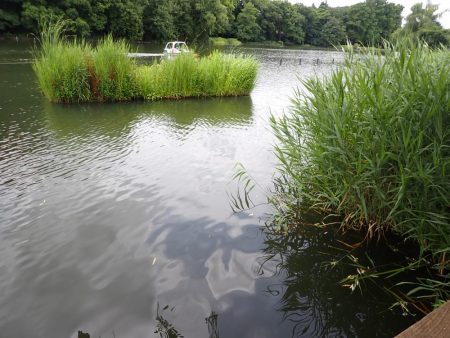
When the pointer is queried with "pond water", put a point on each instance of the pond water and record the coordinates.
(115, 218)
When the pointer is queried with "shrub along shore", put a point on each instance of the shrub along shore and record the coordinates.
(75, 71)
(370, 144)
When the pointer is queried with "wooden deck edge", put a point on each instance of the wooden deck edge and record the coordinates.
(144, 55)
(436, 325)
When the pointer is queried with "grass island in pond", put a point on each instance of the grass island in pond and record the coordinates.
(75, 71)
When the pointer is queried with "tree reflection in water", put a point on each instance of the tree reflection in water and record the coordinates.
(311, 299)
(213, 328)
(165, 329)
(299, 269)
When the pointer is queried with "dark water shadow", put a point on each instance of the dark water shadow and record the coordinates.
(296, 292)
(310, 296)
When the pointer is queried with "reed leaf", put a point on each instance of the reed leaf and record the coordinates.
(371, 143)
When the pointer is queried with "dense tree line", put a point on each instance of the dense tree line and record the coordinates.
(86, 17)
(196, 20)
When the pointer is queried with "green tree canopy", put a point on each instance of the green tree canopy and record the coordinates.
(247, 27)
(368, 22)
(422, 24)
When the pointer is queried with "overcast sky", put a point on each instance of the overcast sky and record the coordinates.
(443, 5)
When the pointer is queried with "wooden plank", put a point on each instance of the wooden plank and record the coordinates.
(144, 55)
(434, 325)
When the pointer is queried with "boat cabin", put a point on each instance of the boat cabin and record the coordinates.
(176, 47)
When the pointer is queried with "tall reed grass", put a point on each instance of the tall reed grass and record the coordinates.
(60, 66)
(112, 71)
(371, 144)
(74, 71)
(189, 76)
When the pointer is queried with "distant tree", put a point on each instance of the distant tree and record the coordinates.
(325, 27)
(159, 20)
(31, 15)
(247, 27)
(309, 14)
(210, 17)
(280, 20)
(434, 36)
(250, 20)
(422, 24)
(390, 19)
(372, 21)
(269, 19)
(10, 14)
(292, 23)
(187, 19)
(97, 17)
(355, 26)
(421, 17)
(125, 18)
(122, 18)
(333, 32)
(183, 20)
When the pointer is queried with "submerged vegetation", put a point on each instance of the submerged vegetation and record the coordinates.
(310, 279)
(74, 71)
(371, 145)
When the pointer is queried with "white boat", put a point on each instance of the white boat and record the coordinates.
(176, 47)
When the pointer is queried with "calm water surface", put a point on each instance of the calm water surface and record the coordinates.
(115, 218)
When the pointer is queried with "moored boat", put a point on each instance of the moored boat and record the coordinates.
(176, 47)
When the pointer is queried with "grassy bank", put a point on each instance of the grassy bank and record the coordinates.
(75, 71)
(371, 145)
(219, 41)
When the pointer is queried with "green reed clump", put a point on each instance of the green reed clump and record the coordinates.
(171, 79)
(60, 66)
(227, 75)
(112, 71)
(371, 143)
(190, 76)
(73, 71)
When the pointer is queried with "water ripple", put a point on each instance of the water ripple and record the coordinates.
(108, 209)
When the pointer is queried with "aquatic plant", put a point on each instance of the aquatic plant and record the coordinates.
(60, 65)
(371, 145)
(173, 78)
(228, 75)
(311, 263)
(74, 71)
(111, 71)
(189, 76)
